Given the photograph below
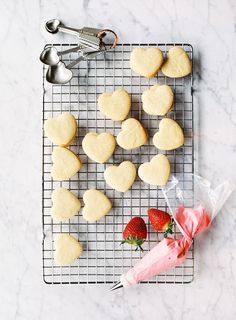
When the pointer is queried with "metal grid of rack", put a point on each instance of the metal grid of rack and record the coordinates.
(104, 259)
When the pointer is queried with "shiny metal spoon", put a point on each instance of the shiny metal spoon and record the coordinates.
(61, 74)
(87, 36)
(58, 74)
(51, 56)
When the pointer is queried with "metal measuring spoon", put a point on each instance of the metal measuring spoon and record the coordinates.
(51, 56)
(61, 74)
(58, 74)
(87, 36)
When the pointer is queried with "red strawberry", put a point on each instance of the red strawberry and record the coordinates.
(135, 232)
(160, 220)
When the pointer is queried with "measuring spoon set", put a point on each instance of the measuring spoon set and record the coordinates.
(90, 45)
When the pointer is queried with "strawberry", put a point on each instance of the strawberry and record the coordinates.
(135, 232)
(161, 221)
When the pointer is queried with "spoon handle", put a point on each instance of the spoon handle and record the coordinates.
(72, 31)
(85, 39)
(87, 55)
(75, 49)
(72, 64)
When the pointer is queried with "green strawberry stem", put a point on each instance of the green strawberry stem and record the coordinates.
(134, 241)
(169, 229)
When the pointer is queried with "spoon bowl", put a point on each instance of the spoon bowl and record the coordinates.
(58, 74)
(49, 56)
(52, 25)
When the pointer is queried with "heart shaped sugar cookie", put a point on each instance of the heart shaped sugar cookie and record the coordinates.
(116, 105)
(67, 249)
(146, 62)
(121, 177)
(156, 172)
(65, 204)
(170, 135)
(61, 130)
(96, 205)
(158, 100)
(132, 134)
(65, 164)
(99, 147)
(178, 63)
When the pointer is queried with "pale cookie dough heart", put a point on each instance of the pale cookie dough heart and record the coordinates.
(156, 172)
(67, 249)
(116, 105)
(158, 100)
(170, 135)
(121, 177)
(132, 134)
(61, 130)
(96, 205)
(178, 63)
(65, 204)
(99, 147)
(65, 164)
(146, 62)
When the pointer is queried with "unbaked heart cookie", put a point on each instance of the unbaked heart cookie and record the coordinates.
(157, 100)
(156, 172)
(65, 164)
(99, 147)
(116, 105)
(96, 205)
(65, 204)
(121, 177)
(132, 134)
(170, 135)
(67, 249)
(146, 62)
(62, 129)
(178, 63)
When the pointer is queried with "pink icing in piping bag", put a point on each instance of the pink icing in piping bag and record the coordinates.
(170, 252)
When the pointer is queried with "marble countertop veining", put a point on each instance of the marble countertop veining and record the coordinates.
(210, 26)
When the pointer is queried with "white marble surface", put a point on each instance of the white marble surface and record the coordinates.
(210, 27)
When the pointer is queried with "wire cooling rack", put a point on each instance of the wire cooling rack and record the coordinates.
(104, 259)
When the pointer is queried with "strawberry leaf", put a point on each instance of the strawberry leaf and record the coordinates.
(169, 229)
(134, 241)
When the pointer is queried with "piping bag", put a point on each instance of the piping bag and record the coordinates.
(191, 220)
